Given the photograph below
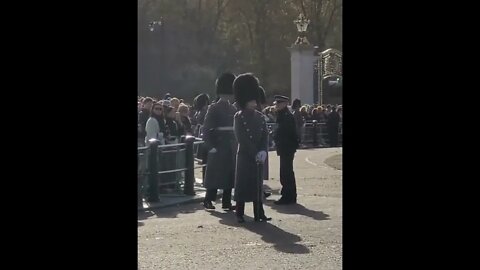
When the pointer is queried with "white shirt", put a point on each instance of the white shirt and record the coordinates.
(153, 131)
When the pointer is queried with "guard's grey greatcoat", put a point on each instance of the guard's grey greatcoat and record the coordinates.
(218, 134)
(251, 133)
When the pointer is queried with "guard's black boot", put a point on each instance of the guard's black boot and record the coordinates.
(240, 211)
(259, 213)
(208, 205)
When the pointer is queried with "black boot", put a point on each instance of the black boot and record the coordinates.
(208, 205)
(240, 211)
(259, 213)
(240, 219)
(226, 200)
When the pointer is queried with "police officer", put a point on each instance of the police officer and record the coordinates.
(221, 145)
(286, 141)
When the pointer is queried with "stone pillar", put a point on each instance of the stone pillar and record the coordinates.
(302, 70)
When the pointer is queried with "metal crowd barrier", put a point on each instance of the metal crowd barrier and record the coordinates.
(166, 165)
(174, 164)
(313, 133)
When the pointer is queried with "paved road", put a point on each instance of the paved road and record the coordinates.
(303, 236)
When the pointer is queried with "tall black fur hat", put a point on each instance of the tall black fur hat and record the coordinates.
(224, 84)
(245, 89)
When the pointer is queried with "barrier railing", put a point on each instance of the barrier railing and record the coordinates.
(166, 165)
(313, 134)
(174, 164)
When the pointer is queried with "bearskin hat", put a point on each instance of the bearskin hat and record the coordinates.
(245, 89)
(224, 84)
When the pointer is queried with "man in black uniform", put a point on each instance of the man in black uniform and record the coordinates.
(287, 141)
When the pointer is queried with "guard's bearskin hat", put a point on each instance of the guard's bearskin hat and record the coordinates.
(245, 89)
(224, 84)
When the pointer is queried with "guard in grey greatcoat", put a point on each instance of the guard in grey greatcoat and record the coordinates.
(220, 143)
(251, 133)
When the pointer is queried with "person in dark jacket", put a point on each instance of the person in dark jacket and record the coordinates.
(287, 142)
(333, 123)
(185, 126)
(251, 133)
(171, 124)
(297, 115)
(200, 105)
(261, 103)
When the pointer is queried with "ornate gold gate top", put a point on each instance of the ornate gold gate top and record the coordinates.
(331, 62)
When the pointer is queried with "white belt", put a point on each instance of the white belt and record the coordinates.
(224, 128)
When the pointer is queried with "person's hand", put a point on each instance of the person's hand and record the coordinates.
(261, 156)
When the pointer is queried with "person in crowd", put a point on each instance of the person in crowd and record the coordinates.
(171, 124)
(322, 118)
(175, 102)
(333, 123)
(185, 126)
(201, 104)
(340, 112)
(297, 115)
(155, 127)
(143, 116)
(304, 113)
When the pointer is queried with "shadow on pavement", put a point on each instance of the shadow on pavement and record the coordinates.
(297, 209)
(282, 241)
(170, 211)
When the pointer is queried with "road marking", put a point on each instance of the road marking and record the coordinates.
(308, 161)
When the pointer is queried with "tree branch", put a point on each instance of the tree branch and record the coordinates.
(335, 8)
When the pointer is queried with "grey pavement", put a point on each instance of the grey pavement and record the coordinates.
(307, 235)
(177, 198)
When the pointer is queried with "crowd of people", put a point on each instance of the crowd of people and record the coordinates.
(307, 112)
(171, 117)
